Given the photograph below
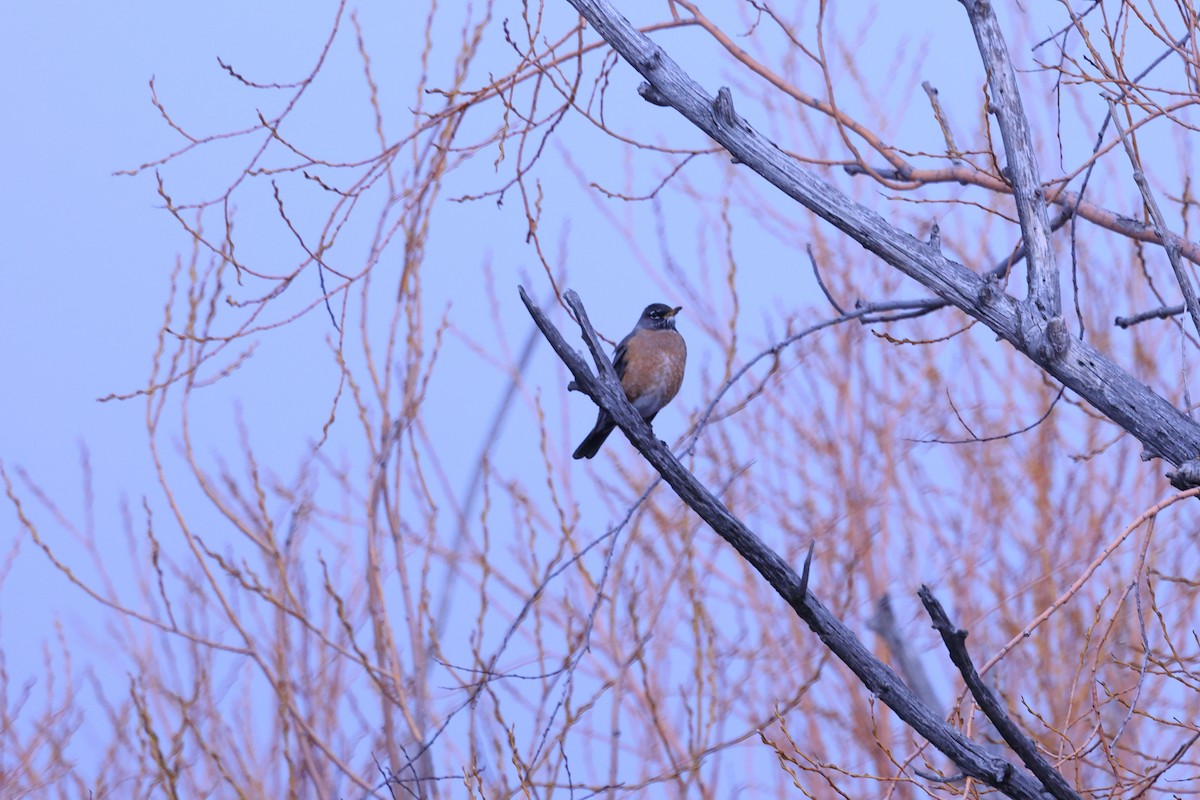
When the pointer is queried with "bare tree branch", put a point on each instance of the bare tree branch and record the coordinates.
(1162, 312)
(1164, 431)
(956, 645)
(951, 148)
(1022, 168)
(929, 304)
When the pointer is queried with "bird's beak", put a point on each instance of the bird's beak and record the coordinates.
(674, 311)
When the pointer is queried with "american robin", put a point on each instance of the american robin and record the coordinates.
(649, 362)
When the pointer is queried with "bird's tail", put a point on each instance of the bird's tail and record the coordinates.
(591, 443)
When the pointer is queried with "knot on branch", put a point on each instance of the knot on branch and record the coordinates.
(652, 61)
(989, 291)
(1058, 339)
(935, 237)
(652, 95)
(723, 112)
(1186, 476)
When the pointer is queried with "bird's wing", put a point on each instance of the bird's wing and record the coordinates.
(619, 356)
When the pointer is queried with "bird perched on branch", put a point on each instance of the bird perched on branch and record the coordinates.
(649, 362)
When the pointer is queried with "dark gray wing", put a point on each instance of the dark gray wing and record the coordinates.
(619, 360)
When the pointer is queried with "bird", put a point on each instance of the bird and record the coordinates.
(649, 362)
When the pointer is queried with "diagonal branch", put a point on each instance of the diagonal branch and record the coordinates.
(1022, 167)
(876, 676)
(955, 640)
(928, 304)
(1163, 430)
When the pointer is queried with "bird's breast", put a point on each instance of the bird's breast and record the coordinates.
(654, 370)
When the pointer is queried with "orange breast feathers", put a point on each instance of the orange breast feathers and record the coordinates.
(654, 370)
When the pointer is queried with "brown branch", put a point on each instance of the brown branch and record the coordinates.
(900, 174)
(1097, 215)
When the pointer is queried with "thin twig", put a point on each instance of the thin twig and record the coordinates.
(817, 273)
(951, 148)
(1162, 312)
(1168, 239)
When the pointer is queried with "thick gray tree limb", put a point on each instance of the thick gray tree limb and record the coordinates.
(1022, 167)
(877, 677)
(1163, 430)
